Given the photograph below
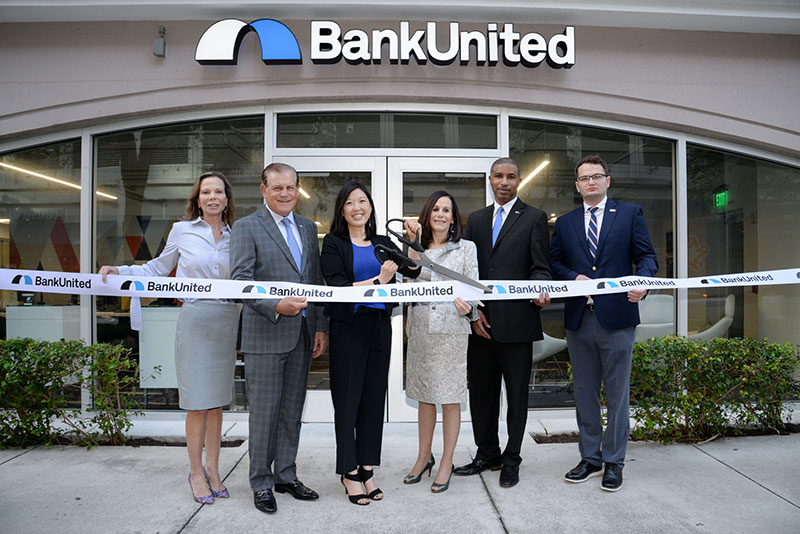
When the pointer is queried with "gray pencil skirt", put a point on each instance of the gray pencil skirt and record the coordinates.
(205, 353)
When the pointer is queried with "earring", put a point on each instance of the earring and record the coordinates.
(452, 228)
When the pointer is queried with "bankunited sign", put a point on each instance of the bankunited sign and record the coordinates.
(219, 44)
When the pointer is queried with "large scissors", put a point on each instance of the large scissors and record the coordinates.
(385, 253)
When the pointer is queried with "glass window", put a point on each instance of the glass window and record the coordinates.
(744, 215)
(40, 230)
(386, 130)
(151, 172)
(642, 172)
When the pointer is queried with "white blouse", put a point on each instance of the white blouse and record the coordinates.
(190, 246)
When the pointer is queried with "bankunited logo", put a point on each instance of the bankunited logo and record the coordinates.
(710, 281)
(602, 285)
(376, 293)
(132, 285)
(23, 279)
(219, 45)
(497, 288)
(329, 43)
(254, 288)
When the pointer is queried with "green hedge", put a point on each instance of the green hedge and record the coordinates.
(34, 376)
(684, 390)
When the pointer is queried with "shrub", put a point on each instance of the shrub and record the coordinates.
(693, 390)
(34, 376)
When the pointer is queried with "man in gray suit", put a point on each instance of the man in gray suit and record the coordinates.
(276, 244)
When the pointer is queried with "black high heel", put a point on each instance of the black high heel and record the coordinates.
(413, 479)
(366, 475)
(354, 498)
(438, 488)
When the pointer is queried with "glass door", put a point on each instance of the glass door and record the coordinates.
(320, 181)
(410, 182)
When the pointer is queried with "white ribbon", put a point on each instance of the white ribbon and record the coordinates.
(198, 288)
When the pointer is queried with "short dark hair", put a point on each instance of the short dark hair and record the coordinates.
(192, 211)
(504, 161)
(339, 224)
(277, 168)
(593, 159)
(425, 219)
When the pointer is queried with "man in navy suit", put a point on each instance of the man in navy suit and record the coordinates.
(601, 239)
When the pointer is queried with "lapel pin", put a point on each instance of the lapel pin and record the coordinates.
(613, 210)
(516, 212)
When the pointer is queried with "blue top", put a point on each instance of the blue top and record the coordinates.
(366, 266)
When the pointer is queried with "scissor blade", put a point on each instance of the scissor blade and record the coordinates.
(449, 273)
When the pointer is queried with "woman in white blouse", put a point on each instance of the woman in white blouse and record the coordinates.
(205, 338)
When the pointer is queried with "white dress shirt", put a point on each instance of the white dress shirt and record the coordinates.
(191, 247)
(601, 209)
(506, 208)
(282, 227)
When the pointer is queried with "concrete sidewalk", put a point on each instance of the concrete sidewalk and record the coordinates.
(749, 484)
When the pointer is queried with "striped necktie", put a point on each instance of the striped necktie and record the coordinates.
(592, 234)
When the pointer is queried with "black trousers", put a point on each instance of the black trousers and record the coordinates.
(359, 371)
(489, 362)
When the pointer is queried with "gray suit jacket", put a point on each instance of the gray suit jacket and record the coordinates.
(259, 252)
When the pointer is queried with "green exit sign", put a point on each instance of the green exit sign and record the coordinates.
(721, 199)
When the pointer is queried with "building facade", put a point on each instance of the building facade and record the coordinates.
(695, 107)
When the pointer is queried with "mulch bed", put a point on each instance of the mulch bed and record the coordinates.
(730, 432)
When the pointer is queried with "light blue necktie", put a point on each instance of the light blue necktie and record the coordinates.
(498, 223)
(294, 248)
(592, 234)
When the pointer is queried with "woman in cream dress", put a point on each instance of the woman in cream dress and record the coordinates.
(436, 361)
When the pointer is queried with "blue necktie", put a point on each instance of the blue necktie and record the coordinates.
(294, 248)
(592, 234)
(498, 223)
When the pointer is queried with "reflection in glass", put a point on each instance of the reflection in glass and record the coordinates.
(744, 215)
(641, 169)
(40, 230)
(386, 130)
(151, 171)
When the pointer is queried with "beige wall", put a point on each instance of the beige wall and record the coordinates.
(729, 86)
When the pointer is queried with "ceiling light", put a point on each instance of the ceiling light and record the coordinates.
(302, 192)
(536, 171)
(51, 179)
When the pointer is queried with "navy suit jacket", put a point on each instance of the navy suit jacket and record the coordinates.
(623, 243)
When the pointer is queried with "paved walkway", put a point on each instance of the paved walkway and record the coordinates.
(745, 485)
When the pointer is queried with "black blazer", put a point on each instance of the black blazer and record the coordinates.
(520, 253)
(337, 269)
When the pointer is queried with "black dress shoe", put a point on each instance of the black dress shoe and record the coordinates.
(509, 476)
(476, 466)
(298, 490)
(583, 471)
(612, 478)
(265, 501)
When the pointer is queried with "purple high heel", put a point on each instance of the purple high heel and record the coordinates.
(221, 494)
(207, 499)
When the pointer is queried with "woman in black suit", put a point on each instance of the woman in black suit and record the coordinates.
(360, 340)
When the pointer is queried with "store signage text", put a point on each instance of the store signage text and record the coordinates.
(220, 43)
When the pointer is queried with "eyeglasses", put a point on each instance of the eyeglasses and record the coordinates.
(596, 177)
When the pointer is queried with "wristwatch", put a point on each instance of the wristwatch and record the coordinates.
(377, 281)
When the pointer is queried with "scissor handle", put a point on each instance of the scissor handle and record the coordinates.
(413, 244)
